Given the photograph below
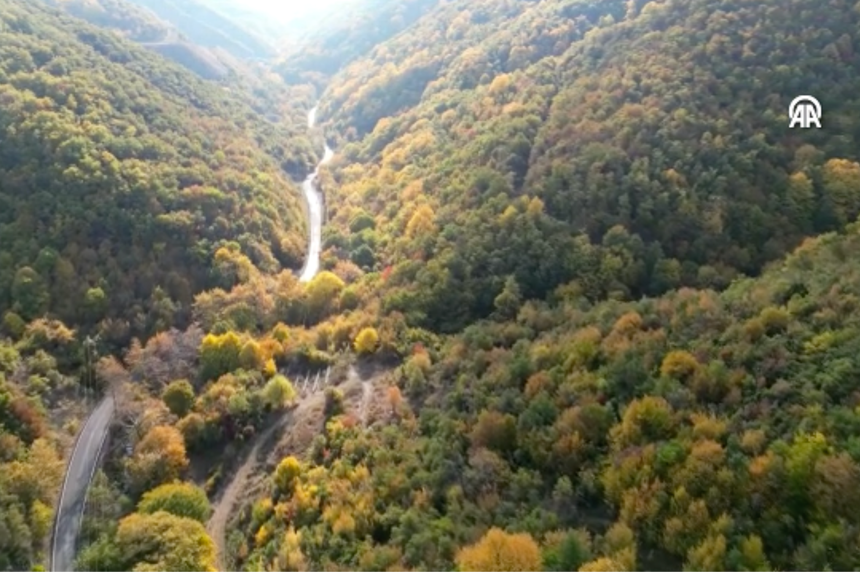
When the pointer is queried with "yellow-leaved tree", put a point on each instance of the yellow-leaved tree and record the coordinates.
(421, 222)
(278, 392)
(219, 354)
(163, 541)
(286, 473)
(291, 557)
(366, 341)
(180, 499)
(499, 551)
(321, 294)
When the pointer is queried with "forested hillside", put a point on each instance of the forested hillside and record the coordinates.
(127, 187)
(134, 22)
(123, 175)
(36, 420)
(484, 139)
(587, 302)
(697, 430)
(574, 191)
(207, 27)
(145, 28)
(350, 34)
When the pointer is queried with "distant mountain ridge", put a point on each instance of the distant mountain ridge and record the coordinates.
(210, 28)
(130, 20)
(277, 30)
(192, 34)
(350, 34)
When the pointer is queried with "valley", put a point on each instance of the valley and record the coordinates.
(469, 285)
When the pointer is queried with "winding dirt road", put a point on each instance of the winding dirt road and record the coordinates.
(223, 508)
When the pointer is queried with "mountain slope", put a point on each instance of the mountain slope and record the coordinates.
(657, 131)
(697, 430)
(122, 175)
(205, 26)
(34, 403)
(135, 23)
(349, 34)
(144, 27)
(539, 214)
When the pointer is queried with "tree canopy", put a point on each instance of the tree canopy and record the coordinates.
(586, 301)
(124, 175)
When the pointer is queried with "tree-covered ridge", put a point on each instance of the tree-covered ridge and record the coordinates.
(203, 25)
(142, 26)
(699, 430)
(262, 90)
(659, 132)
(348, 35)
(456, 48)
(121, 175)
(538, 215)
(132, 21)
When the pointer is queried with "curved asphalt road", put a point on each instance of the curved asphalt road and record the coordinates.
(315, 211)
(82, 467)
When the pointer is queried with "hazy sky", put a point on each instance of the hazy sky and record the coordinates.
(285, 9)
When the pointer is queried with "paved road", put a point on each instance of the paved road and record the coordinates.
(172, 37)
(79, 473)
(315, 211)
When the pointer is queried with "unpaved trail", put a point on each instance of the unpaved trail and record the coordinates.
(217, 525)
(366, 395)
(298, 427)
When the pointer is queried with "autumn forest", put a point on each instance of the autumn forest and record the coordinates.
(585, 301)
